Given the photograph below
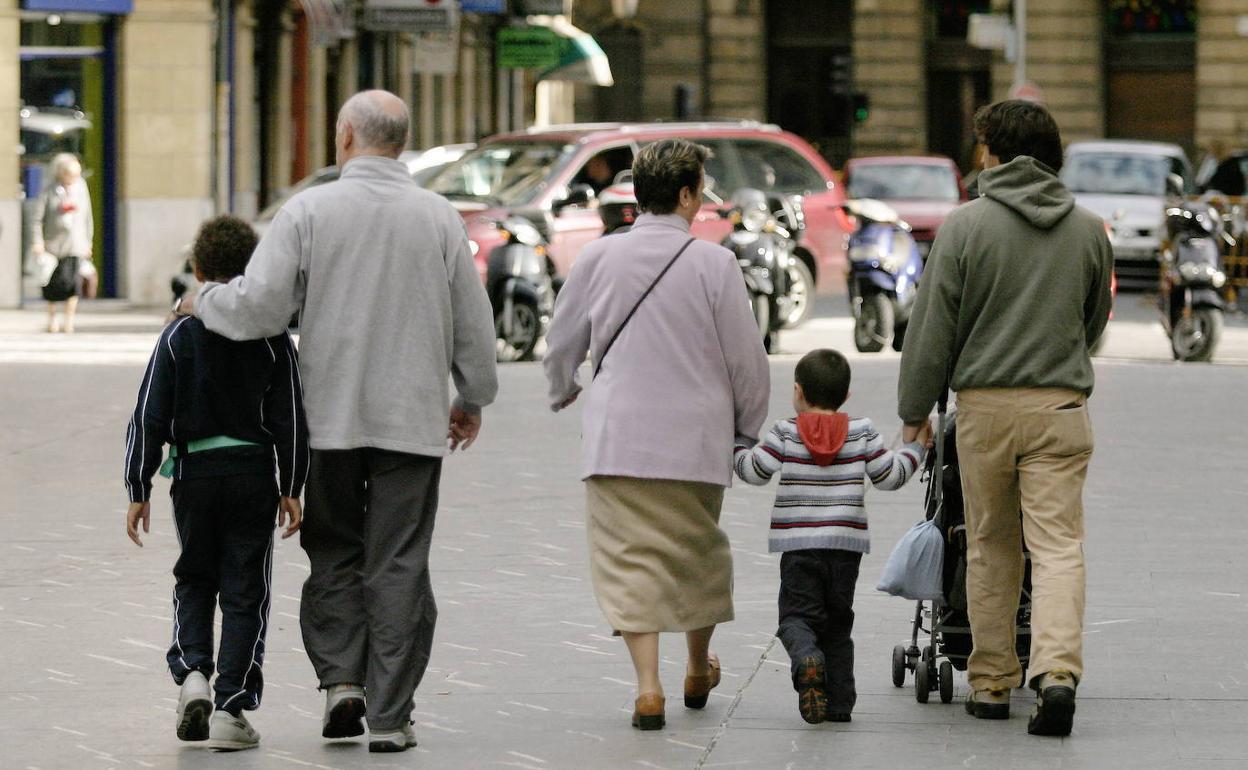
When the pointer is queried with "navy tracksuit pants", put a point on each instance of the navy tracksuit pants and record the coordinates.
(225, 527)
(817, 617)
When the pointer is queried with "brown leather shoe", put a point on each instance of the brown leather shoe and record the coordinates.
(698, 688)
(648, 712)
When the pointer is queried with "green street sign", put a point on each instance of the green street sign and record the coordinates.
(524, 48)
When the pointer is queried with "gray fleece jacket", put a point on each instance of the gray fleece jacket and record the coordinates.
(392, 306)
(1015, 292)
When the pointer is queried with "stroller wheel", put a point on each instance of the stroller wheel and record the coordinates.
(899, 666)
(946, 682)
(922, 683)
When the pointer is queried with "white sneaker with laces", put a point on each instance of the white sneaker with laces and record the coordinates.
(231, 733)
(344, 711)
(194, 708)
(392, 740)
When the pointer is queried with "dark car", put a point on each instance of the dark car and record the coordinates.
(552, 176)
(921, 189)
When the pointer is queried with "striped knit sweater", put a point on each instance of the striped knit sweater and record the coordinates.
(822, 506)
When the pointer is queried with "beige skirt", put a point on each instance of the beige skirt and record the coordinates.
(658, 559)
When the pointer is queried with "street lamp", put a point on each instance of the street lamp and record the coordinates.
(624, 9)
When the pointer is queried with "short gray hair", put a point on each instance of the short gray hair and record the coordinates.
(376, 127)
(60, 163)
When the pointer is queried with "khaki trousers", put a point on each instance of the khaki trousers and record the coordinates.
(1024, 449)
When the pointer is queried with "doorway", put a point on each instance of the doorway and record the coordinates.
(807, 40)
(68, 99)
(959, 82)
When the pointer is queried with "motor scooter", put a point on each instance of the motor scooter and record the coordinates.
(764, 250)
(1191, 278)
(884, 270)
(521, 288)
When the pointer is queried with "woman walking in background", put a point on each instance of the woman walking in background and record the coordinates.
(680, 371)
(62, 239)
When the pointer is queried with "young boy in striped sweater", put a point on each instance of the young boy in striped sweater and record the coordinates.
(819, 524)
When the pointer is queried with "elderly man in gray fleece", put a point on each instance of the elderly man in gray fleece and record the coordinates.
(392, 307)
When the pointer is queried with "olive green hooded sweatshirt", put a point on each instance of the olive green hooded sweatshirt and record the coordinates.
(1015, 292)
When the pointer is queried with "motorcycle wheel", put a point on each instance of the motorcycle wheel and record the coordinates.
(762, 314)
(873, 329)
(801, 294)
(525, 332)
(1195, 336)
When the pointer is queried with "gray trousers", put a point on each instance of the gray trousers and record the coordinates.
(368, 611)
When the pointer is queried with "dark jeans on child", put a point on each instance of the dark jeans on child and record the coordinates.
(225, 527)
(817, 617)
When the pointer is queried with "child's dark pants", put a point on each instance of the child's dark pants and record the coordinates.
(817, 617)
(225, 527)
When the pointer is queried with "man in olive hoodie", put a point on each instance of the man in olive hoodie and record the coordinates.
(1015, 293)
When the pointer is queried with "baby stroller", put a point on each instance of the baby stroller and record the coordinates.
(949, 628)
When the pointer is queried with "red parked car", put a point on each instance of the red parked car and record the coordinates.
(921, 189)
(552, 177)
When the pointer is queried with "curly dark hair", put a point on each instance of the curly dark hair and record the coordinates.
(824, 376)
(223, 247)
(1016, 127)
(664, 168)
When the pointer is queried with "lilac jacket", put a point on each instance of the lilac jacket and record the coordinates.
(688, 374)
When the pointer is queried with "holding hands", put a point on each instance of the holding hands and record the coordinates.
(921, 433)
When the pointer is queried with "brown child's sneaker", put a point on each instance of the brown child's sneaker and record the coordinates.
(989, 704)
(812, 700)
(1055, 704)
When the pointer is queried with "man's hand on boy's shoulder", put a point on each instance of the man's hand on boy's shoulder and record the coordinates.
(290, 516)
(136, 513)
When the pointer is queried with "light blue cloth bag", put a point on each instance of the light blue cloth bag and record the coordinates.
(915, 568)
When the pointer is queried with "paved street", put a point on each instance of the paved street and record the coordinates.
(525, 672)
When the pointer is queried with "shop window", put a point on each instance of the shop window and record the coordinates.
(1149, 17)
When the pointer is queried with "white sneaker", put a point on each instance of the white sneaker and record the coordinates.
(392, 740)
(231, 733)
(344, 711)
(194, 708)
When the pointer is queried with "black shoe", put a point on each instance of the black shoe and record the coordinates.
(1055, 705)
(838, 716)
(812, 700)
(989, 704)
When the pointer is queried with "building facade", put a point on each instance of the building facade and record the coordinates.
(181, 109)
(185, 108)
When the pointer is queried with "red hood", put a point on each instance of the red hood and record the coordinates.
(823, 435)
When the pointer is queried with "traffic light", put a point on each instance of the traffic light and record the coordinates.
(862, 107)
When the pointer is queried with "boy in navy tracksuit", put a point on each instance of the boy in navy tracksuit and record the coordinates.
(227, 410)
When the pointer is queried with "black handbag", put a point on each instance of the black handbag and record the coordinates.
(645, 294)
(64, 281)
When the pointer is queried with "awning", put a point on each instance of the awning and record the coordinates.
(581, 59)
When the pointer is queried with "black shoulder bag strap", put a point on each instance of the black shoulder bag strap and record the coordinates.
(629, 317)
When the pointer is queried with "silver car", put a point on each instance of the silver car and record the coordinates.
(1124, 183)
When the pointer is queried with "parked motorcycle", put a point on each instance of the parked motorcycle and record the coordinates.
(521, 289)
(764, 250)
(884, 270)
(1191, 277)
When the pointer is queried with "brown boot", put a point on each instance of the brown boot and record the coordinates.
(648, 712)
(698, 688)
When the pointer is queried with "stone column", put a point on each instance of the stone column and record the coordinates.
(890, 40)
(246, 178)
(737, 61)
(280, 125)
(317, 110)
(1065, 57)
(10, 190)
(1222, 89)
(166, 121)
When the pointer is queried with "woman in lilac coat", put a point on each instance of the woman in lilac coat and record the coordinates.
(676, 382)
